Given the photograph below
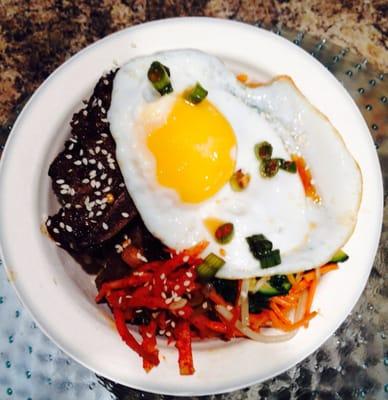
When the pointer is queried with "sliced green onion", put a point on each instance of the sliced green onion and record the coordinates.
(239, 180)
(289, 166)
(210, 266)
(259, 245)
(159, 75)
(269, 168)
(261, 249)
(271, 259)
(263, 151)
(224, 233)
(340, 256)
(196, 94)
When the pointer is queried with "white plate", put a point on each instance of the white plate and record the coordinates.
(60, 295)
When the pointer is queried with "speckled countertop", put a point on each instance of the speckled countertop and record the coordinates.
(36, 36)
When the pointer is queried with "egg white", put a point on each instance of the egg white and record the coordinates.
(306, 233)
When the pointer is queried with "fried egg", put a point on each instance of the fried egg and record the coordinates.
(177, 160)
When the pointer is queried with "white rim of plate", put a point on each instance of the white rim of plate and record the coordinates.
(220, 367)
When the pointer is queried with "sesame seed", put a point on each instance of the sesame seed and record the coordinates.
(172, 324)
(163, 276)
(98, 184)
(149, 335)
(92, 161)
(69, 156)
(120, 299)
(168, 301)
(65, 186)
(111, 166)
(103, 110)
(60, 181)
(81, 153)
(138, 311)
(78, 162)
(68, 205)
(104, 135)
(63, 191)
(55, 230)
(185, 258)
(69, 228)
(91, 152)
(99, 102)
(98, 213)
(107, 189)
(176, 287)
(118, 248)
(85, 161)
(229, 308)
(85, 113)
(189, 274)
(71, 146)
(168, 334)
(164, 296)
(86, 180)
(122, 184)
(186, 283)
(91, 214)
(106, 82)
(73, 140)
(97, 149)
(110, 180)
(48, 222)
(204, 305)
(103, 151)
(104, 120)
(98, 193)
(162, 331)
(100, 142)
(180, 312)
(99, 165)
(125, 215)
(103, 176)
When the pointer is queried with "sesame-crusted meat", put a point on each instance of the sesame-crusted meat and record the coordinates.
(87, 180)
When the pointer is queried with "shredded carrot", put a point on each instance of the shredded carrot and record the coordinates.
(309, 276)
(302, 322)
(279, 313)
(310, 297)
(305, 176)
(299, 287)
(282, 301)
(291, 278)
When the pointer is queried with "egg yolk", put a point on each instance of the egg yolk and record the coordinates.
(193, 150)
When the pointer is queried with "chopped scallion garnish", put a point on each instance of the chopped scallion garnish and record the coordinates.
(159, 76)
(269, 168)
(263, 151)
(271, 259)
(224, 233)
(196, 94)
(210, 266)
(239, 180)
(261, 249)
(289, 166)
